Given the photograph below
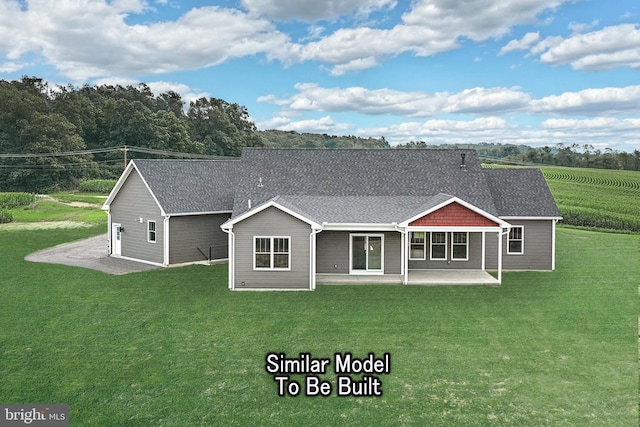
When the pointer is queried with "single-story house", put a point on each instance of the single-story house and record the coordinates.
(303, 214)
(169, 212)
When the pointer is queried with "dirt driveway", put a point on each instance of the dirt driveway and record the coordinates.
(88, 253)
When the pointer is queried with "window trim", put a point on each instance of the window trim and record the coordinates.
(423, 244)
(465, 244)
(521, 240)
(431, 244)
(272, 252)
(154, 231)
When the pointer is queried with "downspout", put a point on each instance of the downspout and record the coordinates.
(231, 244)
(109, 232)
(165, 243)
(553, 244)
(312, 251)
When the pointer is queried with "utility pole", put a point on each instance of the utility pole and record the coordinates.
(125, 157)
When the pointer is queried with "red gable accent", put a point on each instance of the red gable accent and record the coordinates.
(454, 214)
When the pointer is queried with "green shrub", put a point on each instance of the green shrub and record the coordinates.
(14, 200)
(5, 216)
(97, 185)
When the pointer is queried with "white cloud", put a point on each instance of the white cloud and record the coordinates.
(480, 101)
(10, 67)
(440, 131)
(591, 102)
(622, 134)
(522, 44)
(581, 27)
(605, 49)
(428, 28)
(92, 39)
(322, 125)
(312, 97)
(479, 20)
(311, 11)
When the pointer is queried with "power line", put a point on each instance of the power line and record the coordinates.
(122, 148)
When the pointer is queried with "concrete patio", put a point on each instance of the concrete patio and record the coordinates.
(416, 277)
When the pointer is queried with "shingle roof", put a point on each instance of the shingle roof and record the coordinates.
(360, 209)
(333, 175)
(521, 192)
(190, 186)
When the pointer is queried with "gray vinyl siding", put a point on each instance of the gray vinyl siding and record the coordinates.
(132, 202)
(537, 247)
(474, 253)
(268, 223)
(188, 233)
(333, 252)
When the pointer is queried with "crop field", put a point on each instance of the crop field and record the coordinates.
(595, 198)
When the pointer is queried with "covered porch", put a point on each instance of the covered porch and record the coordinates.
(416, 277)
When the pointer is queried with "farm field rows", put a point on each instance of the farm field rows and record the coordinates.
(598, 198)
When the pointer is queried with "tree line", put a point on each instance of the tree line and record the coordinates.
(574, 155)
(40, 122)
(35, 118)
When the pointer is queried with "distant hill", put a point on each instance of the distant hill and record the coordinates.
(292, 139)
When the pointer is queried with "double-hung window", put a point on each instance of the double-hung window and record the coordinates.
(459, 246)
(515, 244)
(418, 245)
(438, 245)
(151, 231)
(271, 253)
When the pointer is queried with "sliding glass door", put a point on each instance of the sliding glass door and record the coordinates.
(366, 253)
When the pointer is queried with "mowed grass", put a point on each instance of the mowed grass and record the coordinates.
(174, 347)
(49, 210)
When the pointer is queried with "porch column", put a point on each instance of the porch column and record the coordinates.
(404, 245)
(483, 252)
(500, 256)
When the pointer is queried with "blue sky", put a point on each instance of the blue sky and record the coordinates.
(535, 72)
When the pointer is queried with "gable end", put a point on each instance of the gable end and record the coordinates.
(453, 214)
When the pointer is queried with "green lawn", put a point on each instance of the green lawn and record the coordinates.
(174, 347)
(49, 210)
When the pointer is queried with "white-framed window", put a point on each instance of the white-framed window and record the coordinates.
(460, 246)
(515, 243)
(151, 231)
(438, 245)
(418, 245)
(271, 253)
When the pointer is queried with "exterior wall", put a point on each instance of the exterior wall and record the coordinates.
(332, 251)
(537, 247)
(272, 222)
(453, 214)
(188, 233)
(474, 253)
(132, 202)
